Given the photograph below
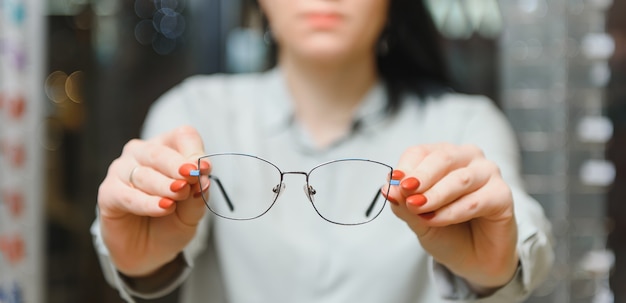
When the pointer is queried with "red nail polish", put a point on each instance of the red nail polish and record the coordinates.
(416, 200)
(196, 191)
(410, 184)
(427, 216)
(397, 175)
(185, 169)
(204, 167)
(391, 199)
(178, 185)
(197, 195)
(166, 203)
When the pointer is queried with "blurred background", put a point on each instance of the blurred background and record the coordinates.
(78, 76)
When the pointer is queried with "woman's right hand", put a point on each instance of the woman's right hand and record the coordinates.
(149, 205)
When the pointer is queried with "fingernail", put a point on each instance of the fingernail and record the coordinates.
(416, 200)
(410, 184)
(197, 195)
(195, 189)
(397, 175)
(178, 185)
(390, 199)
(427, 216)
(203, 190)
(185, 169)
(204, 166)
(166, 203)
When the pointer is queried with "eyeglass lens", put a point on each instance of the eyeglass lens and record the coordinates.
(244, 187)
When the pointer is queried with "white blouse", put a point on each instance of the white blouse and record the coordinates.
(290, 254)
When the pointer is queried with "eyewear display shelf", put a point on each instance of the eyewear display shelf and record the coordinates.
(554, 69)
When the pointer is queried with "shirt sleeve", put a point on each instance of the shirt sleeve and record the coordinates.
(489, 129)
(169, 112)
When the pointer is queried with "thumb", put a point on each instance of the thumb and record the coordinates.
(192, 210)
(419, 226)
(186, 140)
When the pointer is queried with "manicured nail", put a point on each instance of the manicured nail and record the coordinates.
(197, 195)
(204, 167)
(397, 175)
(390, 199)
(166, 203)
(201, 191)
(178, 185)
(410, 184)
(416, 200)
(185, 169)
(195, 189)
(427, 216)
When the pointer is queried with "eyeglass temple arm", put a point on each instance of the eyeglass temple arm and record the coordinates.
(369, 210)
(221, 187)
(196, 173)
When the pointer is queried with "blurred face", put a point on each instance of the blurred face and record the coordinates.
(326, 29)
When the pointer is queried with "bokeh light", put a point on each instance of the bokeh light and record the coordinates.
(169, 23)
(162, 24)
(145, 32)
(60, 87)
(74, 85)
(55, 87)
(144, 8)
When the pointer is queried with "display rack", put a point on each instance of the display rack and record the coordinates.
(21, 165)
(554, 69)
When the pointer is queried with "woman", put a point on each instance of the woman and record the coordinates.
(355, 78)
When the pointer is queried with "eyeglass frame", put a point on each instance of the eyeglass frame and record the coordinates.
(309, 190)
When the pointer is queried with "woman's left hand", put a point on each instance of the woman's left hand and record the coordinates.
(458, 205)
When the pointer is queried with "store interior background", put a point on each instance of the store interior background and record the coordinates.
(557, 68)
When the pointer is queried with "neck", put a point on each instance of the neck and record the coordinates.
(325, 95)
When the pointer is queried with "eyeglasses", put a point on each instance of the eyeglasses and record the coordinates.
(343, 191)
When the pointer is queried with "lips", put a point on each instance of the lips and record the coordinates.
(324, 20)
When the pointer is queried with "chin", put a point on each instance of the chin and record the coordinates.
(319, 52)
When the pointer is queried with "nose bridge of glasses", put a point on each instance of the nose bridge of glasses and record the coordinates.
(295, 173)
(309, 191)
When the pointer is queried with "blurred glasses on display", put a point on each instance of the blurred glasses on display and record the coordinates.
(245, 187)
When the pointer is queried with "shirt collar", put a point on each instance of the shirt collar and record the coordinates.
(280, 113)
(278, 106)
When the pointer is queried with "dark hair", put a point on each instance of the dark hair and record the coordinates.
(413, 61)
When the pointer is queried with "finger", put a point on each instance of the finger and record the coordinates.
(491, 201)
(417, 225)
(456, 184)
(131, 200)
(156, 155)
(442, 160)
(154, 183)
(190, 211)
(161, 158)
(406, 185)
(186, 140)
(409, 159)
(393, 181)
(200, 188)
(413, 156)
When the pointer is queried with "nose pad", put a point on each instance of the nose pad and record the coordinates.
(310, 192)
(278, 189)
